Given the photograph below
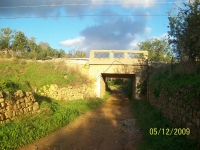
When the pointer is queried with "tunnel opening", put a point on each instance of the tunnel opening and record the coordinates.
(119, 79)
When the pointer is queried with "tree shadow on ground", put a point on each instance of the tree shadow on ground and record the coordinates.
(40, 98)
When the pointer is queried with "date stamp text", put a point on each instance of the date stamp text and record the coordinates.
(169, 131)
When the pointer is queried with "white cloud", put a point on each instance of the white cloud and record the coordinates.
(148, 29)
(134, 45)
(136, 3)
(118, 33)
(73, 42)
(161, 37)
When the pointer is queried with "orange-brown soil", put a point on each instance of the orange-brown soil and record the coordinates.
(109, 127)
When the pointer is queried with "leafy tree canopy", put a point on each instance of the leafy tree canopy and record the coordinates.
(159, 50)
(21, 46)
(184, 33)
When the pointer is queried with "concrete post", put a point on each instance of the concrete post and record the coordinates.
(102, 86)
(134, 87)
(137, 81)
(97, 86)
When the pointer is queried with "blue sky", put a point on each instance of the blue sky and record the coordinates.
(67, 24)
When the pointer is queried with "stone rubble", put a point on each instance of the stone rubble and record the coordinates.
(21, 103)
(66, 93)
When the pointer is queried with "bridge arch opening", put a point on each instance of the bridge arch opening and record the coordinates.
(104, 85)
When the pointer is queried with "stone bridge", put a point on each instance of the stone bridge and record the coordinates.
(105, 64)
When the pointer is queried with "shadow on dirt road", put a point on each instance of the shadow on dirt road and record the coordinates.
(109, 127)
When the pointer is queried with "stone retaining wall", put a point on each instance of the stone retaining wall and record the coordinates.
(181, 106)
(67, 93)
(20, 103)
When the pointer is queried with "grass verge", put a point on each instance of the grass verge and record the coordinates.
(24, 75)
(52, 116)
(148, 117)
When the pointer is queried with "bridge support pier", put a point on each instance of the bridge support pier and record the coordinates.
(102, 86)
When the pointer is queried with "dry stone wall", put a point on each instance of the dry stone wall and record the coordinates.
(181, 106)
(19, 104)
(67, 93)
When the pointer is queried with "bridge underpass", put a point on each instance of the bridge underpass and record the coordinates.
(116, 64)
(104, 84)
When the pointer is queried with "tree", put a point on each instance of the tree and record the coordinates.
(184, 34)
(32, 44)
(61, 53)
(32, 48)
(44, 45)
(6, 35)
(159, 50)
(80, 54)
(20, 42)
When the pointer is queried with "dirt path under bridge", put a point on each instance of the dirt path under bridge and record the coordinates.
(109, 127)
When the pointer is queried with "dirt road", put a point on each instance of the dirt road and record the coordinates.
(109, 127)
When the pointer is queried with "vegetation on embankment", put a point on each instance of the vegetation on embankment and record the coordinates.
(176, 93)
(18, 74)
(52, 116)
(148, 117)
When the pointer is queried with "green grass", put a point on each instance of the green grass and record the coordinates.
(148, 117)
(29, 75)
(53, 115)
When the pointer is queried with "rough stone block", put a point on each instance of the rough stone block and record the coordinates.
(9, 107)
(23, 105)
(198, 122)
(36, 106)
(194, 113)
(19, 93)
(31, 97)
(2, 105)
(15, 107)
(28, 93)
(26, 99)
(30, 108)
(21, 100)
(17, 102)
(53, 87)
(18, 106)
(2, 100)
(184, 120)
(7, 120)
(189, 124)
(14, 114)
(25, 110)
(8, 114)
(21, 111)
(30, 103)
(198, 114)
(2, 117)
(1, 94)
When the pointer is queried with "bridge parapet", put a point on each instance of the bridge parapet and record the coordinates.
(106, 57)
